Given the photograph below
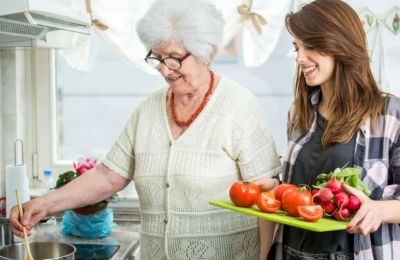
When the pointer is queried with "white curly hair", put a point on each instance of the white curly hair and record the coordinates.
(195, 24)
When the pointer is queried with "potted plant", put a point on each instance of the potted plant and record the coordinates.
(92, 221)
(80, 168)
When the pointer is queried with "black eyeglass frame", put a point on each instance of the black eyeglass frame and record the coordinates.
(162, 61)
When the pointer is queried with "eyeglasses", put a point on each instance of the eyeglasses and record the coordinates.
(171, 62)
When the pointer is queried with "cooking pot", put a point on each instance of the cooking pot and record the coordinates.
(39, 250)
(6, 235)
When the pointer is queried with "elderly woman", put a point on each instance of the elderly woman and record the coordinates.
(183, 146)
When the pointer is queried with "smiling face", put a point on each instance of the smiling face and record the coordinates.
(317, 67)
(192, 74)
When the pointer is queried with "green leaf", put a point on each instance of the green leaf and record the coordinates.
(322, 176)
(65, 178)
(349, 175)
(350, 171)
(320, 186)
(362, 187)
(352, 181)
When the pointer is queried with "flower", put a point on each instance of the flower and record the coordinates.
(84, 166)
(80, 168)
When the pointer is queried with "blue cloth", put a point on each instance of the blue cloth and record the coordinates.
(88, 226)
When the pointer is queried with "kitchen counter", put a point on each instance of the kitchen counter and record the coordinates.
(125, 234)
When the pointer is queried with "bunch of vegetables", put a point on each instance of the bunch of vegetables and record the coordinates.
(296, 201)
(334, 200)
(327, 198)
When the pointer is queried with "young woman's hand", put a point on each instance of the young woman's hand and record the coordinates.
(368, 217)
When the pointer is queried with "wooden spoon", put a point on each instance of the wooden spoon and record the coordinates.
(21, 213)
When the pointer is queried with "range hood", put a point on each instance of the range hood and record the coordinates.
(23, 23)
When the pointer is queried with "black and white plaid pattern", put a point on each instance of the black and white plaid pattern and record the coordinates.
(377, 154)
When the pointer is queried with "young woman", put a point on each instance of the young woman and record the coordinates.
(341, 118)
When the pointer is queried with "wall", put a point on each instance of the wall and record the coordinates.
(12, 106)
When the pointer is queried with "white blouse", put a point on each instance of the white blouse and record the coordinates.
(176, 178)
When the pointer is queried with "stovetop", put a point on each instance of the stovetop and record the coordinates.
(95, 251)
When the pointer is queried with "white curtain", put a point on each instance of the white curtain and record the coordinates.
(121, 17)
(256, 47)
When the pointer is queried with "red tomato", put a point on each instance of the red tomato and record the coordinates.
(294, 198)
(268, 204)
(269, 194)
(311, 213)
(244, 194)
(282, 188)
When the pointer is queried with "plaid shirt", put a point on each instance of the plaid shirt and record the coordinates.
(378, 157)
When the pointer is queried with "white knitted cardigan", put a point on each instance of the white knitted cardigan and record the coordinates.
(176, 178)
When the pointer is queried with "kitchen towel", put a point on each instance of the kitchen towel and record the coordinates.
(16, 178)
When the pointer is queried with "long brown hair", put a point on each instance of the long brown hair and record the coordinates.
(332, 27)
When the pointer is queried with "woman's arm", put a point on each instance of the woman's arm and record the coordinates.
(373, 213)
(95, 185)
(266, 228)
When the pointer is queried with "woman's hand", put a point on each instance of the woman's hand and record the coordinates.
(34, 211)
(368, 217)
(267, 184)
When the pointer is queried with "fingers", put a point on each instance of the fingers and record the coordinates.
(354, 191)
(361, 213)
(16, 225)
(367, 219)
(33, 213)
(17, 232)
(367, 226)
(26, 218)
(36, 219)
(267, 184)
(20, 233)
(357, 218)
(364, 227)
(14, 218)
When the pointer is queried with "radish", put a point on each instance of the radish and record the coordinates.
(341, 199)
(316, 200)
(314, 191)
(342, 214)
(329, 208)
(324, 195)
(354, 203)
(334, 185)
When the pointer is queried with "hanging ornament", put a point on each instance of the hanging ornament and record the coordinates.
(392, 20)
(368, 19)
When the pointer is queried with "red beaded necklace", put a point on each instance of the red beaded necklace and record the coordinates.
(186, 123)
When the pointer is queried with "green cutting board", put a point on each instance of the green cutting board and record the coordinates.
(322, 225)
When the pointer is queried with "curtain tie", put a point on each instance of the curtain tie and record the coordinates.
(99, 24)
(245, 11)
